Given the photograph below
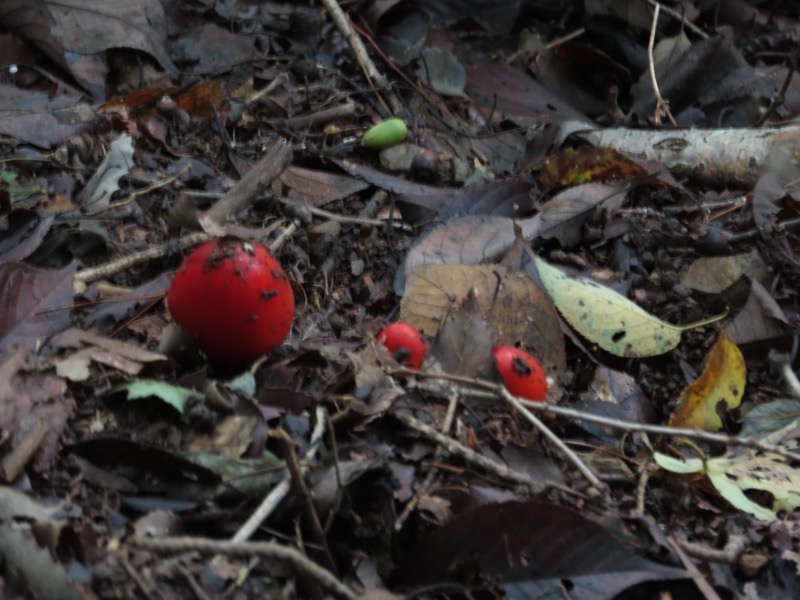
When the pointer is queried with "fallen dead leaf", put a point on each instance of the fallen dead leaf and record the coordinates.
(718, 390)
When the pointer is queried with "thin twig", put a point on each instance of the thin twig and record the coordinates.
(273, 85)
(780, 98)
(455, 448)
(705, 207)
(370, 71)
(126, 262)
(137, 579)
(674, 13)
(196, 589)
(447, 423)
(296, 474)
(729, 555)
(355, 220)
(146, 190)
(661, 105)
(479, 388)
(281, 239)
(272, 550)
(278, 493)
(322, 213)
(320, 117)
(546, 48)
(554, 439)
(699, 579)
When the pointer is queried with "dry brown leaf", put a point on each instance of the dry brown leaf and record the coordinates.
(520, 312)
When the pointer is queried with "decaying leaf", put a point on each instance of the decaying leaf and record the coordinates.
(760, 319)
(469, 240)
(714, 274)
(606, 318)
(464, 343)
(771, 418)
(33, 301)
(96, 196)
(114, 353)
(29, 400)
(732, 476)
(718, 389)
(44, 576)
(575, 167)
(442, 70)
(564, 215)
(511, 301)
(376, 391)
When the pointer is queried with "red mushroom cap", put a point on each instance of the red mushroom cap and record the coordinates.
(234, 298)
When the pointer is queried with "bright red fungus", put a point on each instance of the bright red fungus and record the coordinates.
(405, 342)
(234, 298)
(523, 376)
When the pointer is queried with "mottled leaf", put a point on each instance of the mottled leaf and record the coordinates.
(732, 476)
(718, 389)
(605, 317)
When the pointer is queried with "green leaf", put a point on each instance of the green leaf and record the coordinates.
(244, 382)
(733, 475)
(253, 477)
(174, 395)
(17, 192)
(764, 471)
(607, 318)
(733, 491)
(675, 465)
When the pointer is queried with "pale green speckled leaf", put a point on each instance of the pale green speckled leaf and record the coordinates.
(732, 476)
(676, 465)
(762, 471)
(607, 318)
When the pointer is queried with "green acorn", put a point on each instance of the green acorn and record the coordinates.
(385, 134)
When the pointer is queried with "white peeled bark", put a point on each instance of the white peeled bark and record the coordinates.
(718, 157)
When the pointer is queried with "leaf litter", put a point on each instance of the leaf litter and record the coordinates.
(517, 123)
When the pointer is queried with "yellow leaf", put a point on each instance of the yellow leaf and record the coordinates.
(722, 381)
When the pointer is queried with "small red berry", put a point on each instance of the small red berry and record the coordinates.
(523, 376)
(405, 342)
(234, 298)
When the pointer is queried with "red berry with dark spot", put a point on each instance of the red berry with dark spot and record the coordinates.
(234, 298)
(522, 374)
(405, 342)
